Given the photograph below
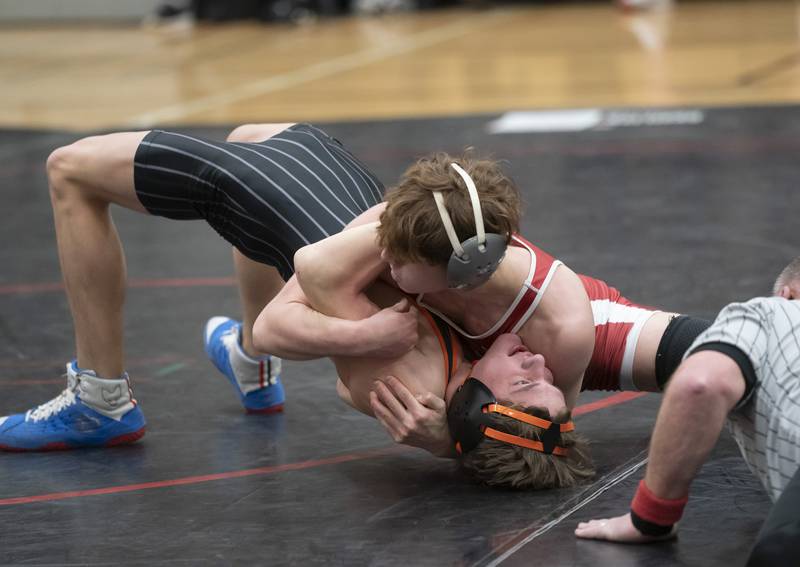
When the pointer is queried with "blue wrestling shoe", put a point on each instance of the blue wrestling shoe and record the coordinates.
(257, 381)
(90, 412)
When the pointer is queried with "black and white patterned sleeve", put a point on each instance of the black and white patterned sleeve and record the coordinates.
(740, 331)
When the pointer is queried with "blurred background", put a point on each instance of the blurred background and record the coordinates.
(655, 142)
(87, 65)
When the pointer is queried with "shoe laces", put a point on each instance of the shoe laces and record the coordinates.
(230, 338)
(63, 400)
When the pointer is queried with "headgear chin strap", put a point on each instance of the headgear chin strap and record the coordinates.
(470, 421)
(474, 260)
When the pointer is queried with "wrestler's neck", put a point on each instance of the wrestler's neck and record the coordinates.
(486, 303)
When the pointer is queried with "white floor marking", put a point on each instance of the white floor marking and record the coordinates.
(610, 483)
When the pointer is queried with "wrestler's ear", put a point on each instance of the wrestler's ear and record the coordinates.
(790, 291)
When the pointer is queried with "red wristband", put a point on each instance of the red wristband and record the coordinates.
(657, 510)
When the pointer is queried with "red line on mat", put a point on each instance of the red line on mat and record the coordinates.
(202, 478)
(619, 398)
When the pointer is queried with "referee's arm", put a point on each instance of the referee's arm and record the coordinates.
(707, 386)
(718, 375)
(701, 393)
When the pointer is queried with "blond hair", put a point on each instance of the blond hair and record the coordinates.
(501, 464)
(790, 273)
(411, 229)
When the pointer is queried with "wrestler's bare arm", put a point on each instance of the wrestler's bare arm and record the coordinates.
(335, 272)
(335, 318)
(704, 389)
(563, 331)
(290, 327)
(331, 278)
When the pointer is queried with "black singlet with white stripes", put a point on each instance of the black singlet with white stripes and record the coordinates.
(268, 199)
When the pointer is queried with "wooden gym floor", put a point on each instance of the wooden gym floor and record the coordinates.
(441, 63)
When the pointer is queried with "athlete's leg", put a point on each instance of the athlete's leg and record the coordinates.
(229, 344)
(96, 408)
(258, 283)
(85, 178)
(297, 186)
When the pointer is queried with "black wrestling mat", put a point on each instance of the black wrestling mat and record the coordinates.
(684, 209)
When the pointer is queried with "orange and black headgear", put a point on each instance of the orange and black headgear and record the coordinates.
(470, 418)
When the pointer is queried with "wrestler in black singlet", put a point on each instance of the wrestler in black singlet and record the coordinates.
(268, 199)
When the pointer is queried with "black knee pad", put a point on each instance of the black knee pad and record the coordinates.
(678, 337)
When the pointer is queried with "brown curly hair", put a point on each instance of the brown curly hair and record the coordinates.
(501, 464)
(411, 229)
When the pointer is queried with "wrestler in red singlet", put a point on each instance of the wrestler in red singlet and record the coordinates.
(618, 321)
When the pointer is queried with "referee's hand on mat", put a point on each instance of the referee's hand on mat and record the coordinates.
(619, 529)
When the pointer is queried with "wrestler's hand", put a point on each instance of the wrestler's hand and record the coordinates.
(419, 421)
(390, 332)
(619, 529)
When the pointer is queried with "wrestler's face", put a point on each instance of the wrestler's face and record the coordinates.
(515, 374)
(416, 278)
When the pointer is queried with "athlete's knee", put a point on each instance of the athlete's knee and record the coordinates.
(66, 167)
(83, 170)
(61, 168)
(255, 132)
